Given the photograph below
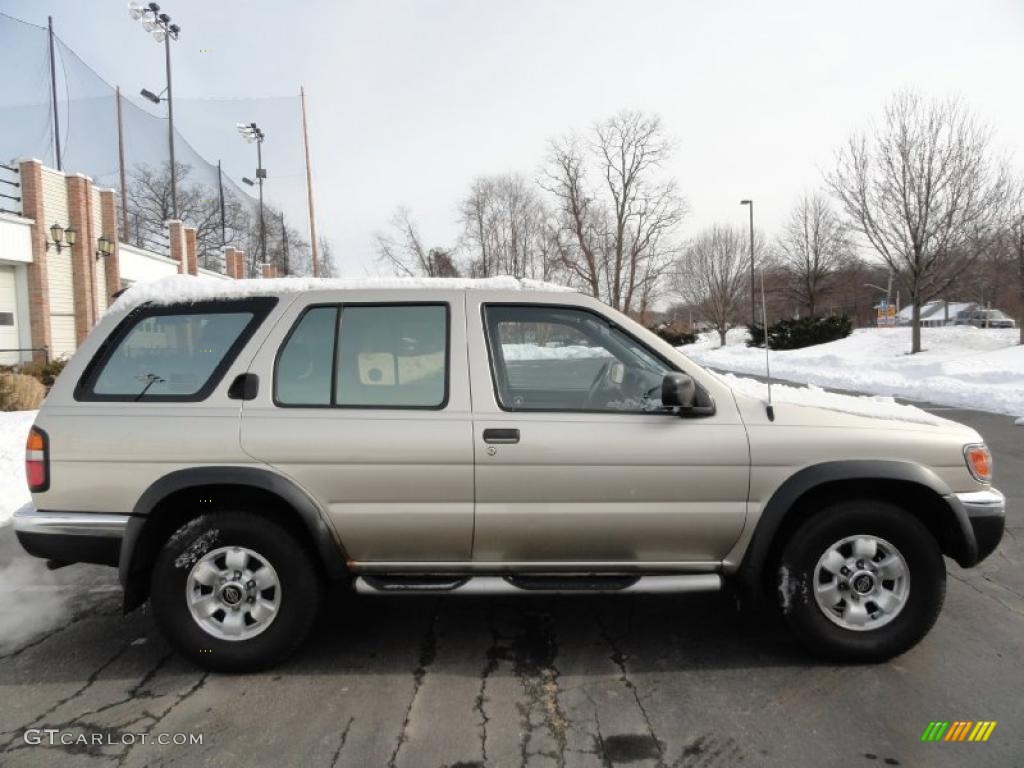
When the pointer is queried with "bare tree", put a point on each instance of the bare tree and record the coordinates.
(925, 191)
(326, 267)
(149, 207)
(711, 276)
(507, 229)
(617, 213)
(287, 248)
(813, 244)
(1013, 236)
(403, 251)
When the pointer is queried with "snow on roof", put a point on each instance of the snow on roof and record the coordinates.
(875, 407)
(187, 288)
(936, 307)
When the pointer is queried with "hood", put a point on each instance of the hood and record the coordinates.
(814, 407)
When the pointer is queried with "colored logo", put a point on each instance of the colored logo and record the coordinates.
(959, 730)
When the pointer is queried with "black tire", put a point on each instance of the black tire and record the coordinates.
(891, 523)
(299, 598)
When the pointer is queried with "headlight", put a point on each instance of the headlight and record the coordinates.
(979, 462)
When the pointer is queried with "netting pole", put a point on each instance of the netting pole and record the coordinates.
(53, 94)
(120, 165)
(284, 243)
(170, 127)
(259, 177)
(309, 185)
(220, 190)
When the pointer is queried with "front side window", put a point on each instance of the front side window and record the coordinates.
(366, 356)
(172, 354)
(559, 359)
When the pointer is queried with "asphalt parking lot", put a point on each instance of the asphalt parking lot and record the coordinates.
(585, 681)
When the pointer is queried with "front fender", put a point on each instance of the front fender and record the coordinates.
(962, 544)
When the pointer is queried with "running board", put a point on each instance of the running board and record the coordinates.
(543, 585)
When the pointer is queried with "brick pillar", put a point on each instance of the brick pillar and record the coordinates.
(190, 251)
(83, 254)
(234, 263)
(176, 234)
(31, 178)
(112, 263)
(269, 271)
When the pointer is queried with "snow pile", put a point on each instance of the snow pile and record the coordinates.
(175, 288)
(960, 366)
(14, 428)
(709, 339)
(537, 352)
(876, 407)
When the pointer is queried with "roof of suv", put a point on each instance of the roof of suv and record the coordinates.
(186, 288)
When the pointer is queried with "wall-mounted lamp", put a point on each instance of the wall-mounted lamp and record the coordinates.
(61, 238)
(104, 247)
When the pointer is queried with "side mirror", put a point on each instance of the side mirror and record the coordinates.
(678, 389)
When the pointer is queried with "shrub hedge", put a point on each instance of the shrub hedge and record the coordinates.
(675, 335)
(801, 332)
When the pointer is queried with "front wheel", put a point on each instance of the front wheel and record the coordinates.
(861, 581)
(234, 592)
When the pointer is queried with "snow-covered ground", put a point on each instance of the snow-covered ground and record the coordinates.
(537, 352)
(14, 428)
(960, 366)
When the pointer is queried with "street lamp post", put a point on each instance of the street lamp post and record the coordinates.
(159, 25)
(252, 133)
(753, 308)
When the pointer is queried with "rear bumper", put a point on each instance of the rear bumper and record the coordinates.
(71, 537)
(986, 512)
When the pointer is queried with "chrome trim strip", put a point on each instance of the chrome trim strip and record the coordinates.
(532, 566)
(497, 585)
(982, 500)
(30, 520)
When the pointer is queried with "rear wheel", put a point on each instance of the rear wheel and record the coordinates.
(234, 592)
(861, 580)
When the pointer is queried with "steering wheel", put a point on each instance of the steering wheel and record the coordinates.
(603, 375)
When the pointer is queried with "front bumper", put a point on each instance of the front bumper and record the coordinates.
(71, 537)
(986, 512)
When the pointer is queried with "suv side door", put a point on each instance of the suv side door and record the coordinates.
(364, 402)
(576, 459)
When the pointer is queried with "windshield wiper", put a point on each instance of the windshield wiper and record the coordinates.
(150, 379)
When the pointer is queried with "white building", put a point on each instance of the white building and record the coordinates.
(53, 290)
(936, 313)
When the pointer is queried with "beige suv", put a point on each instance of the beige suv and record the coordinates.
(233, 447)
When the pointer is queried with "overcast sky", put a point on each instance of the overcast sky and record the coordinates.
(410, 100)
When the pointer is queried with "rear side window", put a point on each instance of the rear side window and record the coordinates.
(366, 356)
(171, 353)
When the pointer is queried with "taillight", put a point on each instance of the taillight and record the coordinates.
(37, 460)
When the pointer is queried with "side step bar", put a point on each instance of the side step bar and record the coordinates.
(539, 585)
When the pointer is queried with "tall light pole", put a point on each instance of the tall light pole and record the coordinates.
(159, 25)
(252, 133)
(753, 308)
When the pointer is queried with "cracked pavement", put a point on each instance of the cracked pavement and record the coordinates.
(530, 681)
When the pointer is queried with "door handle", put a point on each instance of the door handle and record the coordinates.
(501, 436)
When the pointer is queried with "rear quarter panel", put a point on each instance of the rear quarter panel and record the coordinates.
(104, 455)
